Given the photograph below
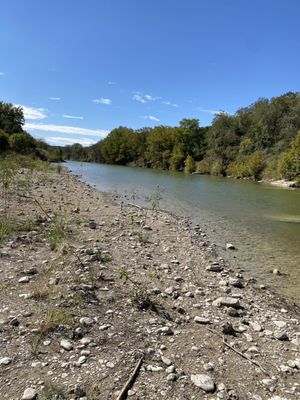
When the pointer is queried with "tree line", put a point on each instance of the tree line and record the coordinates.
(14, 139)
(259, 141)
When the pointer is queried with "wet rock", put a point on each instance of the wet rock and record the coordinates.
(204, 382)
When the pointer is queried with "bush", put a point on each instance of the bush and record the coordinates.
(22, 143)
(4, 141)
(189, 165)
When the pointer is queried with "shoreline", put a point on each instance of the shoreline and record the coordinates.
(137, 283)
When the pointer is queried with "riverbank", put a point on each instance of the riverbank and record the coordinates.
(92, 288)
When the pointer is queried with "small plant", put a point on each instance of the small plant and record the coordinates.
(34, 346)
(59, 169)
(155, 198)
(52, 391)
(39, 291)
(53, 318)
(102, 257)
(57, 232)
(7, 227)
(142, 238)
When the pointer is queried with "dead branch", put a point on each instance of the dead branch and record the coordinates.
(123, 394)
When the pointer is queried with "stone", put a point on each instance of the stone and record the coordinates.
(236, 282)
(86, 321)
(24, 279)
(227, 302)
(230, 246)
(165, 330)
(169, 290)
(281, 335)
(29, 394)
(154, 368)
(228, 329)
(166, 361)
(171, 377)
(204, 382)
(214, 268)
(202, 320)
(256, 326)
(65, 344)
(5, 360)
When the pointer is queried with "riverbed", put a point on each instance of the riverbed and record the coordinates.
(262, 221)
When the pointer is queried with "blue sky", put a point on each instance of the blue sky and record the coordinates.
(81, 68)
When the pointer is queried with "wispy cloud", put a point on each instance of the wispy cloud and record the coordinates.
(143, 98)
(61, 141)
(69, 130)
(2, 73)
(102, 101)
(111, 83)
(33, 112)
(72, 116)
(54, 98)
(151, 118)
(168, 103)
(213, 112)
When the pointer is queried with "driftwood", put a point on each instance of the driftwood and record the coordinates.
(123, 394)
(254, 362)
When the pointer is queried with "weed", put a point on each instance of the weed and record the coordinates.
(7, 227)
(52, 391)
(143, 299)
(53, 318)
(57, 232)
(39, 291)
(59, 169)
(34, 345)
(102, 257)
(5, 287)
(142, 238)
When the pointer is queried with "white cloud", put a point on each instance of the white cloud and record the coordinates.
(2, 73)
(143, 98)
(72, 116)
(33, 112)
(102, 101)
(168, 103)
(54, 98)
(61, 141)
(66, 130)
(152, 118)
(111, 83)
(139, 98)
(213, 112)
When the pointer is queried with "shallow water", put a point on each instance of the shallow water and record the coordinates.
(261, 220)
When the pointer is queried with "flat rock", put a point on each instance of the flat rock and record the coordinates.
(204, 382)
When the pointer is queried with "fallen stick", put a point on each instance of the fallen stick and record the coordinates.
(123, 394)
(238, 352)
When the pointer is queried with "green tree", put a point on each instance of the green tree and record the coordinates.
(22, 143)
(189, 164)
(11, 118)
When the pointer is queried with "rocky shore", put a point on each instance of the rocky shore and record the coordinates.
(95, 295)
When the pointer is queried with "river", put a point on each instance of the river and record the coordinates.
(261, 220)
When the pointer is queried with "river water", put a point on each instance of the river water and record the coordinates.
(261, 220)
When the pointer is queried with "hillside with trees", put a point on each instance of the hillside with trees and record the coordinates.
(261, 141)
